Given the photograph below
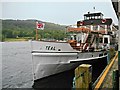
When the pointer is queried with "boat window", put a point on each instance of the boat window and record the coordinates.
(97, 40)
(71, 38)
(74, 37)
(87, 18)
(95, 27)
(84, 18)
(101, 40)
(108, 27)
(105, 40)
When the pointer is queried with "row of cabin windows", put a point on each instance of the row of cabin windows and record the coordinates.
(100, 39)
(93, 17)
(105, 40)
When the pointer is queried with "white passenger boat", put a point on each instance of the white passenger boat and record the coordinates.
(90, 40)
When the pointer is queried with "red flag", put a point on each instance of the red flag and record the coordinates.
(40, 25)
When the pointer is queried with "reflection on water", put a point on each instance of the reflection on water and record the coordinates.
(16, 65)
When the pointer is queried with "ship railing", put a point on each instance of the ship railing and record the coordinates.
(78, 29)
(90, 28)
(82, 47)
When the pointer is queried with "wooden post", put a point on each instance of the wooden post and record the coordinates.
(36, 34)
(115, 80)
(83, 77)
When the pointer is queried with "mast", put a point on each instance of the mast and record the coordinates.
(36, 34)
(39, 25)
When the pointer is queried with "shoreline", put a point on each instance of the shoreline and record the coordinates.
(15, 39)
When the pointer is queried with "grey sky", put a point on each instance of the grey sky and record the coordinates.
(66, 13)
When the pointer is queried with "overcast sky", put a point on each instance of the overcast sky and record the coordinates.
(60, 12)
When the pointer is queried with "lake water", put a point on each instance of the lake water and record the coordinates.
(16, 65)
(17, 68)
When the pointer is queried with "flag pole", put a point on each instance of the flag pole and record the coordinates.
(36, 34)
(39, 25)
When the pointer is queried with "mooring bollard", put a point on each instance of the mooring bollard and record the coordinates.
(83, 77)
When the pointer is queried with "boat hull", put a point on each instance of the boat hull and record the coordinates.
(65, 79)
(50, 63)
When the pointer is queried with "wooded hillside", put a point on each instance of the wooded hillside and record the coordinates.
(26, 28)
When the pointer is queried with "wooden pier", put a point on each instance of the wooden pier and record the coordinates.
(105, 80)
